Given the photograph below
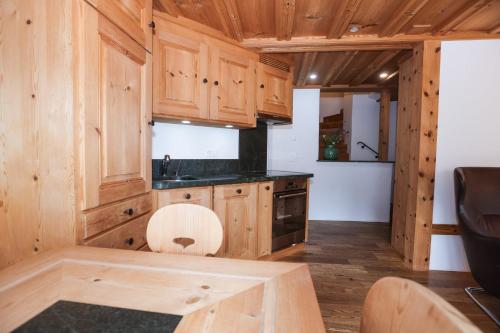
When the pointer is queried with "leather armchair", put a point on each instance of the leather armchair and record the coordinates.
(477, 196)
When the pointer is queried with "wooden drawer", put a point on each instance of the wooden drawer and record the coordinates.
(104, 218)
(130, 236)
(194, 195)
(234, 190)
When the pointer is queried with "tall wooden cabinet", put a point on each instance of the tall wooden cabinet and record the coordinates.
(236, 207)
(116, 96)
(201, 78)
(75, 112)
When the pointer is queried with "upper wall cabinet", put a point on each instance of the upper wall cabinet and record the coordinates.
(181, 73)
(132, 16)
(274, 91)
(116, 103)
(201, 78)
(232, 95)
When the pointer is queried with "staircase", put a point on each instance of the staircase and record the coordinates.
(329, 125)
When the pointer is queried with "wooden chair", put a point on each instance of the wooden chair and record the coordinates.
(400, 305)
(184, 229)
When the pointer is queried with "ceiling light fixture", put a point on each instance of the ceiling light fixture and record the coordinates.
(354, 28)
(229, 126)
(383, 75)
(313, 76)
(186, 122)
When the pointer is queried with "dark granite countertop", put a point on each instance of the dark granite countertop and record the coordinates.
(247, 177)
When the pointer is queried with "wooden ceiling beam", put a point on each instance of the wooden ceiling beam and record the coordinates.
(333, 70)
(460, 16)
(344, 16)
(347, 61)
(232, 10)
(495, 29)
(402, 15)
(284, 16)
(169, 7)
(350, 89)
(382, 59)
(224, 18)
(306, 67)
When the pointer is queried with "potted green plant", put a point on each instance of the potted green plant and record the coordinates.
(331, 152)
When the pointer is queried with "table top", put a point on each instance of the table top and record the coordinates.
(212, 294)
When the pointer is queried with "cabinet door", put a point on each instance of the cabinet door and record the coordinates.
(180, 73)
(264, 219)
(274, 91)
(232, 91)
(236, 206)
(116, 107)
(131, 16)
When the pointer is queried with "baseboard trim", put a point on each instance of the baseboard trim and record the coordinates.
(445, 229)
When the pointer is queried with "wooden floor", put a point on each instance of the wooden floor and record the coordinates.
(346, 258)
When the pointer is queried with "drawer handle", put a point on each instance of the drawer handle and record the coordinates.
(187, 196)
(238, 191)
(129, 241)
(268, 188)
(129, 211)
(205, 80)
(262, 86)
(216, 83)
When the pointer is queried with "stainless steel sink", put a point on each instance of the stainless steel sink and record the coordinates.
(176, 178)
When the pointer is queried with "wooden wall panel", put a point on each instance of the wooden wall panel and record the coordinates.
(36, 164)
(421, 100)
(383, 135)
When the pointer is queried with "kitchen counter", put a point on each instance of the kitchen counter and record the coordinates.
(248, 177)
(211, 294)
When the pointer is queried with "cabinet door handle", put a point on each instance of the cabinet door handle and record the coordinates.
(129, 241)
(262, 86)
(268, 188)
(187, 196)
(205, 80)
(129, 211)
(216, 83)
(238, 191)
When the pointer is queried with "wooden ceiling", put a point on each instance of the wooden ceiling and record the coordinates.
(318, 31)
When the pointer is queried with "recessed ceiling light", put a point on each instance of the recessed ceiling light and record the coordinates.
(354, 28)
(229, 126)
(383, 75)
(186, 122)
(313, 76)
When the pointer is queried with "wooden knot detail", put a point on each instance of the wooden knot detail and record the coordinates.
(184, 241)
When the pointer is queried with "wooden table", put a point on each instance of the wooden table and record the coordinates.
(213, 294)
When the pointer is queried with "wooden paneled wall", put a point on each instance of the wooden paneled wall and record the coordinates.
(37, 182)
(416, 154)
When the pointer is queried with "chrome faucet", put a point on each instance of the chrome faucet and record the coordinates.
(164, 165)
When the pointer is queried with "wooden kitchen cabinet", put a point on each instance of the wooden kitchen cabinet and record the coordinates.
(274, 91)
(116, 98)
(133, 17)
(232, 92)
(180, 64)
(193, 195)
(264, 219)
(236, 207)
(200, 77)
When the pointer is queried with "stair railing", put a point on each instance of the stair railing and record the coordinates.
(364, 145)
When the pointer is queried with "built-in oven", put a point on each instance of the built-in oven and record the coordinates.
(289, 212)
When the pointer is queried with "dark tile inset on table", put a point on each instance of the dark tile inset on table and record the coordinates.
(64, 316)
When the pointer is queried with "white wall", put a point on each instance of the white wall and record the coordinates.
(194, 142)
(364, 126)
(468, 135)
(344, 191)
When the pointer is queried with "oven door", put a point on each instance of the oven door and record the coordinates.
(289, 218)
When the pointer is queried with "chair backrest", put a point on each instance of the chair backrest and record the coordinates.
(184, 229)
(400, 305)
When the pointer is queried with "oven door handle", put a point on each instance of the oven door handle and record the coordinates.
(283, 196)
